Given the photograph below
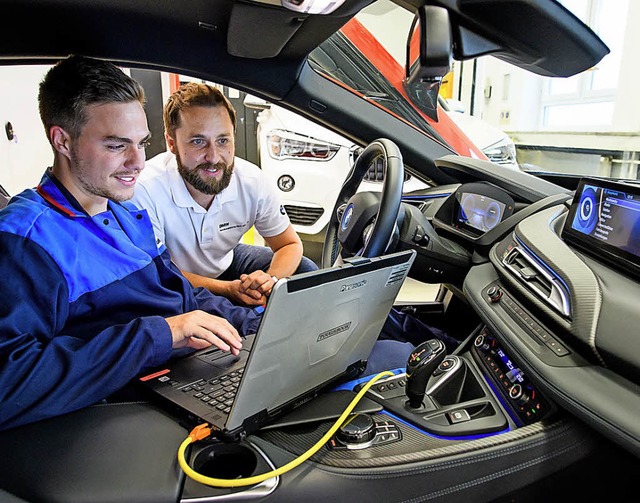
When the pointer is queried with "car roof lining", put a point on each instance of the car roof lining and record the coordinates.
(192, 37)
(209, 36)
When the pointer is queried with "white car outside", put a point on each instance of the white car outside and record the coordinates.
(495, 144)
(290, 147)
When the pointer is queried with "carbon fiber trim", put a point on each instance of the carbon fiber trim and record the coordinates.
(539, 235)
(415, 446)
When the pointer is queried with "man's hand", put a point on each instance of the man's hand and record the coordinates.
(236, 292)
(257, 281)
(199, 330)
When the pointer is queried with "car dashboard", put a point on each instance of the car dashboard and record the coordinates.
(554, 280)
(561, 302)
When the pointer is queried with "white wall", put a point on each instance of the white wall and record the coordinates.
(514, 102)
(525, 90)
(627, 109)
(24, 160)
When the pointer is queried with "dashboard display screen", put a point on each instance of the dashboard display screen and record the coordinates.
(480, 212)
(605, 219)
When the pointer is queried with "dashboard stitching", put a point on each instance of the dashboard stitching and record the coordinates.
(493, 476)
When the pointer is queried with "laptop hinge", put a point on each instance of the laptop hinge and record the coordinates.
(256, 421)
(357, 260)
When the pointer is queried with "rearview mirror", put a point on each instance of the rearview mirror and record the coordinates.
(429, 55)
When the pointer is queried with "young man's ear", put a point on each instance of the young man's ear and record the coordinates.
(171, 143)
(60, 140)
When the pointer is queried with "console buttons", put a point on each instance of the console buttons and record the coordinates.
(458, 416)
(387, 389)
(446, 365)
(557, 347)
(527, 404)
(364, 431)
(541, 334)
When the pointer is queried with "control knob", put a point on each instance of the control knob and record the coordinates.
(481, 342)
(357, 429)
(517, 393)
(494, 293)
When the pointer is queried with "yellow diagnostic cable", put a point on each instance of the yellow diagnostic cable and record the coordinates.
(202, 431)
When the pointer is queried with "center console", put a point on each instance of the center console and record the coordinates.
(457, 401)
(480, 392)
(463, 437)
(520, 396)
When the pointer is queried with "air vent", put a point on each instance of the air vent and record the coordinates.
(303, 215)
(538, 279)
(378, 170)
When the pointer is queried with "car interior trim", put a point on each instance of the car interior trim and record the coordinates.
(592, 392)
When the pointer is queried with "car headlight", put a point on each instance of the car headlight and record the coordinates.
(286, 145)
(502, 152)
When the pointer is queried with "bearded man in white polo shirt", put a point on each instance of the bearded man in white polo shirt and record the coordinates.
(202, 199)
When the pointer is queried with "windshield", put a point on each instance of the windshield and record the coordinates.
(582, 125)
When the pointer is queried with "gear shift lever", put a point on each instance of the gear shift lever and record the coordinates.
(422, 362)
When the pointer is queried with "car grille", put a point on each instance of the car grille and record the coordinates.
(303, 215)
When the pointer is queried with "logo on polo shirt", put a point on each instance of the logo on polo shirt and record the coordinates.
(227, 226)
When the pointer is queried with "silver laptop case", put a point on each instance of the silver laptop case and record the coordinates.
(315, 327)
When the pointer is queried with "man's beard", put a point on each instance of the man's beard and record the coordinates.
(210, 187)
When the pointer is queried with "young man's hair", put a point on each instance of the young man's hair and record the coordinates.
(77, 82)
(190, 95)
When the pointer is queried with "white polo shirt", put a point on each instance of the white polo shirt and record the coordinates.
(202, 241)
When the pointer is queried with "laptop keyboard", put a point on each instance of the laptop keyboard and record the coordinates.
(218, 393)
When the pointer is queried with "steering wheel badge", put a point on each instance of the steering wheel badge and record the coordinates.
(346, 218)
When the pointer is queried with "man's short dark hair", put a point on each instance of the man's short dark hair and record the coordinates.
(193, 94)
(77, 82)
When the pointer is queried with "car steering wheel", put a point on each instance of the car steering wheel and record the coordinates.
(363, 223)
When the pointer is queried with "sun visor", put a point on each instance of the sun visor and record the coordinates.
(251, 31)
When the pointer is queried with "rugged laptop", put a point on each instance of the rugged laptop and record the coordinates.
(317, 328)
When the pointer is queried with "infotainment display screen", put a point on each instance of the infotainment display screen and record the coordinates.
(604, 219)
